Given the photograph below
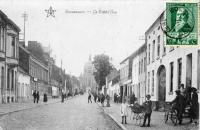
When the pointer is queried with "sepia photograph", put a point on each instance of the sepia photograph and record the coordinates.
(99, 64)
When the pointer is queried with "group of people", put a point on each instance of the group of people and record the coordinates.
(186, 97)
(36, 97)
(147, 106)
(117, 98)
(99, 98)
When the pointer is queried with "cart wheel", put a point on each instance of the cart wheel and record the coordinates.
(174, 117)
(137, 119)
(166, 117)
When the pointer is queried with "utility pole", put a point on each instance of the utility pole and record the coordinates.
(25, 16)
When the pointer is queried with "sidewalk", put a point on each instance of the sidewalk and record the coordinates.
(157, 122)
(15, 107)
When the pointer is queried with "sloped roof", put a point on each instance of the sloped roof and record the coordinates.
(10, 22)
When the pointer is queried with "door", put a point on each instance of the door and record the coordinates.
(161, 86)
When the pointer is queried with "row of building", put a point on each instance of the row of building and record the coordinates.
(20, 71)
(156, 69)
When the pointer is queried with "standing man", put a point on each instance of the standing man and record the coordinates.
(148, 110)
(62, 97)
(37, 96)
(89, 97)
(179, 103)
(34, 96)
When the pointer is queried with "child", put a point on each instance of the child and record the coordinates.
(124, 111)
(148, 110)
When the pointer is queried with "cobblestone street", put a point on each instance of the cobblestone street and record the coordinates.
(73, 114)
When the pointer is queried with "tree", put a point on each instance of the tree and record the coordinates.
(103, 67)
(36, 49)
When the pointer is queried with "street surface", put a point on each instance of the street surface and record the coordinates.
(157, 120)
(73, 114)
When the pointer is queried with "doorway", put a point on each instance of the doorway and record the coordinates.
(161, 78)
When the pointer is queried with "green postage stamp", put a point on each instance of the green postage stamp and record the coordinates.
(181, 24)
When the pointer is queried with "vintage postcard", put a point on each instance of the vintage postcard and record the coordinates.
(99, 64)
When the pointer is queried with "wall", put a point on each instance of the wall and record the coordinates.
(24, 92)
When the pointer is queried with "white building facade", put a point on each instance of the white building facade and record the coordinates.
(139, 74)
(112, 83)
(169, 66)
(9, 41)
(24, 92)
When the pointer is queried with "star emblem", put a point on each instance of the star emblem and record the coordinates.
(50, 12)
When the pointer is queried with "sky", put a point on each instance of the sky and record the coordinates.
(74, 36)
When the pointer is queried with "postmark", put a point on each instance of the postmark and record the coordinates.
(181, 24)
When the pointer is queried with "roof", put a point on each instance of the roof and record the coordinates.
(23, 48)
(10, 21)
(22, 71)
(155, 22)
(135, 53)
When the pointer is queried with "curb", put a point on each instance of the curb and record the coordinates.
(6, 113)
(118, 123)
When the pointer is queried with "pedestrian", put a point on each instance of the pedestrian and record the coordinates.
(124, 111)
(182, 89)
(37, 96)
(45, 98)
(34, 96)
(89, 97)
(95, 97)
(102, 99)
(62, 97)
(194, 106)
(108, 100)
(132, 98)
(178, 105)
(148, 110)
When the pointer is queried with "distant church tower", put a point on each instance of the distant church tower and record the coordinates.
(88, 80)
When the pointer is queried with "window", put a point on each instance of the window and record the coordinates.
(13, 46)
(158, 27)
(12, 80)
(8, 99)
(158, 39)
(158, 47)
(148, 82)
(171, 76)
(149, 53)
(139, 67)
(179, 71)
(152, 87)
(144, 64)
(2, 77)
(8, 79)
(164, 50)
(153, 51)
(0, 37)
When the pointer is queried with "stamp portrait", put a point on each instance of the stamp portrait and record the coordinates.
(181, 24)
